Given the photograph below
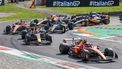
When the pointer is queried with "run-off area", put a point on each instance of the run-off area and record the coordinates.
(108, 32)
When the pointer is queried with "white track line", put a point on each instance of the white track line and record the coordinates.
(102, 38)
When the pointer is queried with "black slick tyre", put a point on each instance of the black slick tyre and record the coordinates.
(63, 49)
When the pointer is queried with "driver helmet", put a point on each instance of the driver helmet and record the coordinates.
(93, 15)
(89, 44)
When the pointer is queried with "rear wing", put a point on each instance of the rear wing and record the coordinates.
(71, 39)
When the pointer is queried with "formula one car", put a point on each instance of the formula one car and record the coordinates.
(40, 37)
(52, 26)
(99, 18)
(58, 25)
(58, 28)
(15, 28)
(86, 51)
(89, 19)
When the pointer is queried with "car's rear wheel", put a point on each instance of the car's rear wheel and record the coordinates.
(7, 29)
(23, 34)
(86, 23)
(63, 29)
(49, 38)
(106, 21)
(63, 49)
(27, 41)
(70, 26)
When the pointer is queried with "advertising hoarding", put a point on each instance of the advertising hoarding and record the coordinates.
(81, 3)
(1, 2)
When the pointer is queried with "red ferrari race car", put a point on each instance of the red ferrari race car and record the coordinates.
(15, 28)
(86, 51)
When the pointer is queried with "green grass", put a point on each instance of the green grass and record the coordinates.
(79, 10)
(20, 13)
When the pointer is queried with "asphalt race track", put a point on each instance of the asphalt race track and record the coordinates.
(14, 41)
